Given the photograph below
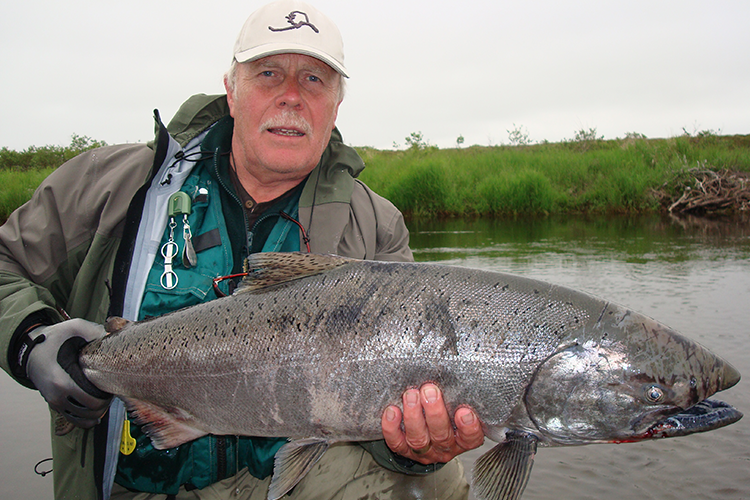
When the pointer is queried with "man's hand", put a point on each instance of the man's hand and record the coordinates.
(428, 436)
(53, 369)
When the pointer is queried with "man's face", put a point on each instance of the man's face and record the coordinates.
(284, 108)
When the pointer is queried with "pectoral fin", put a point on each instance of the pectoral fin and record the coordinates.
(292, 462)
(502, 472)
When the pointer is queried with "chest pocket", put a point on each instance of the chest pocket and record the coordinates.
(212, 248)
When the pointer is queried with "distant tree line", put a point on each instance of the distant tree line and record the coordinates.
(37, 158)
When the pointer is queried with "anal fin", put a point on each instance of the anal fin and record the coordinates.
(167, 428)
(503, 472)
(292, 462)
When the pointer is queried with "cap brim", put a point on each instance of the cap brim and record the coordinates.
(271, 49)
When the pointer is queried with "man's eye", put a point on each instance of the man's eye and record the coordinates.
(313, 78)
(267, 73)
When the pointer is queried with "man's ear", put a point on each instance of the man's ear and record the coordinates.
(230, 96)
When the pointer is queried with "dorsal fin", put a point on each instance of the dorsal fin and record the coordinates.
(272, 268)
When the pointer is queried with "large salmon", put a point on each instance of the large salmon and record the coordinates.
(315, 347)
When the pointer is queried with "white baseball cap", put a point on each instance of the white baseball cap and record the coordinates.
(290, 26)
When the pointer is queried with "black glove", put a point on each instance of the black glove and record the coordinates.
(53, 368)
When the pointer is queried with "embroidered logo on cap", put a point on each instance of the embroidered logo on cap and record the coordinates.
(294, 24)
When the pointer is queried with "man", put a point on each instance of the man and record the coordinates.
(260, 169)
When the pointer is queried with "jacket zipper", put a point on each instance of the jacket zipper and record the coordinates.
(221, 443)
(221, 457)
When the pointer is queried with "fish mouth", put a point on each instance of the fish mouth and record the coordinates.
(704, 416)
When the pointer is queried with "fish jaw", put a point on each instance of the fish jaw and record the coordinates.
(620, 379)
(701, 417)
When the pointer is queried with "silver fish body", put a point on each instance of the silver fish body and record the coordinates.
(315, 347)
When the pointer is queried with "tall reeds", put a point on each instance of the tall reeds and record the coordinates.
(625, 175)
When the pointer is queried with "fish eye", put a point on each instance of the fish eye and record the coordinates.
(654, 394)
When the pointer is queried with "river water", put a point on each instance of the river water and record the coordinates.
(692, 275)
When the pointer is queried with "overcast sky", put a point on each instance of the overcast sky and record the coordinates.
(470, 68)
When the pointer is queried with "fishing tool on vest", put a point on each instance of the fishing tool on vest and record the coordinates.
(127, 442)
(169, 251)
(179, 204)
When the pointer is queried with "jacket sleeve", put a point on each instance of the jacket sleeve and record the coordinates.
(24, 305)
(389, 241)
(44, 243)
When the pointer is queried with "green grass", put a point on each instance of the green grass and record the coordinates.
(615, 176)
(17, 188)
(21, 172)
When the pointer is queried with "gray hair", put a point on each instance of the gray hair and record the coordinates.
(231, 78)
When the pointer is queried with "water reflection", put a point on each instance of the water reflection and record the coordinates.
(634, 239)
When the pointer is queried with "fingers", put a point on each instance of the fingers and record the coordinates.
(415, 424)
(428, 435)
(87, 330)
(54, 370)
(439, 426)
(81, 415)
(469, 432)
(394, 436)
(75, 404)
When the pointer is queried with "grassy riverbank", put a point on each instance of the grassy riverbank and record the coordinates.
(593, 176)
(580, 176)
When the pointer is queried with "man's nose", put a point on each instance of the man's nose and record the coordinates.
(289, 95)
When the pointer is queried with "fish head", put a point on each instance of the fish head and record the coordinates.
(620, 379)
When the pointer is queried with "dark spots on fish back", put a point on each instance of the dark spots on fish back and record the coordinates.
(201, 334)
(436, 318)
(342, 317)
(386, 268)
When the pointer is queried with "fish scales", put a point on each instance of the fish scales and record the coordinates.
(315, 347)
(360, 331)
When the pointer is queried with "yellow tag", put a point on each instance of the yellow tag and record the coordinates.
(127, 443)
